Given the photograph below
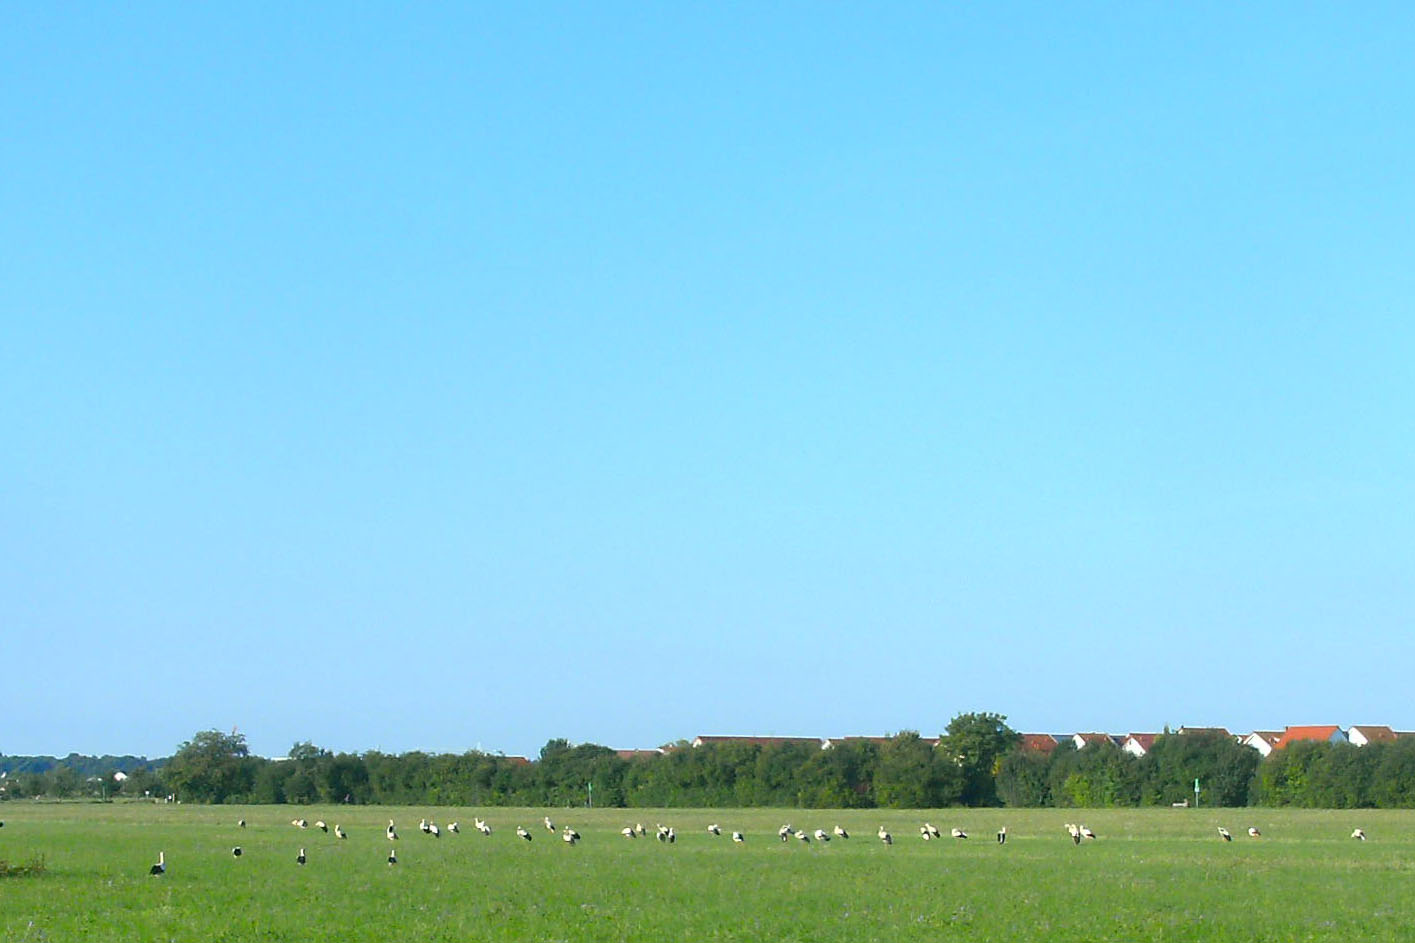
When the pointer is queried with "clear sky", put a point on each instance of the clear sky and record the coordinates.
(451, 376)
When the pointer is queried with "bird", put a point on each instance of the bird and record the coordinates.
(161, 866)
(1359, 834)
(885, 837)
(641, 829)
(570, 836)
(300, 858)
(240, 823)
(434, 831)
(452, 827)
(423, 826)
(339, 832)
(841, 833)
(522, 833)
(628, 832)
(1086, 832)
(738, 838)
(236, 852)
(482, 826)
(1254, 833)
(392, 856)
(662, 834)
(392, 832)
(549, 825)
(302, 823)
(821, 835)
(1074, 832)
(802, 836)
(784, 832)
(1002, 835)
(321, 826)
(929, 830)
(714, 829)
(671, 835)
(1224, 834)
(958, 833)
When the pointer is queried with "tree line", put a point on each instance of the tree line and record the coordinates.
(978, 761)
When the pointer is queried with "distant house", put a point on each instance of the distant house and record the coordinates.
(637, 754)
(119, 776)
(1221, 731)
(1138, 744)
(1041, 742)
(757, 741)
(1262, 740)
(1329, 733)
(1363, 734)
(515, 760)
(1083, 740)
(877, 741)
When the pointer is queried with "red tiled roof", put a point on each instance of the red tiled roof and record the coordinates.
(758, 741)
(1089, 738)
(1223, 731)
(1041, 742)
(1146, 740)
(517, 760)
(636, 754)
(1294, 734)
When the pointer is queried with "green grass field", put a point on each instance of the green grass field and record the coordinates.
(1154, 874)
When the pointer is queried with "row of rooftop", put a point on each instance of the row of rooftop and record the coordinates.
(1137, 744)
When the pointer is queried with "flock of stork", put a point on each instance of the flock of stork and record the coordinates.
(667, 835)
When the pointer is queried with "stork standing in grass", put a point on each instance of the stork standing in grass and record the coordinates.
(1358, 834)
(714, 829)
(452, 827)
(1002, 835)
(339, 831)
(784, 832)
(1224, 834)
(392, 856)
(802, 837)
(549, 825)
(841, 833)
(885, 837)
(391, 831)
(161, 866)
(1254, 833)
(628, 832)
(522, 833)
(569, 836)
(236, 852)
(300, 858)
(322, 827)
(1086, 832)
(738, 837)
(958, 833)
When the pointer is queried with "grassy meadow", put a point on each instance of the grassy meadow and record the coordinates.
(1152, 874)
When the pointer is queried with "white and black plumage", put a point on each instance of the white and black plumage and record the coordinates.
(1359, 834)
(433, 830)
(240, 823)
(929, 831)
(801, 836)
(300, 858)
(1224, 834)
(482, 826)
(423, 826)
(452, 827)
(321, 826)
(392, 856)
(302, 823)
(738, 837)
(671, 836)
(1074, 832)
(1086, 832)
(570, 836)
(958, 833)
(641, 829)
(662, 834)
(784, 832)
(236, 852)
(821, 835)
(714, 829)
(339, 832)
(628, 832)
(885, 837)
(841, 833)
(549, 825)
(1002, 835)
(161, 866)
(391, 831)
(522, 833)
(1254, 833)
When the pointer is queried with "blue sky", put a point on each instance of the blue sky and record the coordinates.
(458, 375)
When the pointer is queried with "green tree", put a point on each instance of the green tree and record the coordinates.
(1022, 778)
(977, 742)
(210, 767)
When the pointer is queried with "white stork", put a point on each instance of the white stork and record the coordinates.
(1086, 832)
(339, 831)
(958, 833)
(522, 833)
(391, 831)
(433, 830)
(236, 852)
(549, 825)
(784, 832)
(1359, 834)
(930, 830)
(821, 835)
(841, 833)
(1224, 834)
(1254, 833)
(1002, 835)
(714, 829)
(300, 858)
(628, 832)
(392, 856)
(738, 837)
(422, 826)
(569, 836)
(671, 836)
(321, 826)
(885, 837)
(452, 827)
(161, 866)
(801, 836)
(240, 823)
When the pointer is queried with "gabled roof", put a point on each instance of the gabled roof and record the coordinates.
(1086, 739)
(1270, 737)
(516, 760)
(1041, 742)
(757, 741)
(1145, 740)
(1221, 731)
(1320, 732)
(1373, 733)
(637, 754)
